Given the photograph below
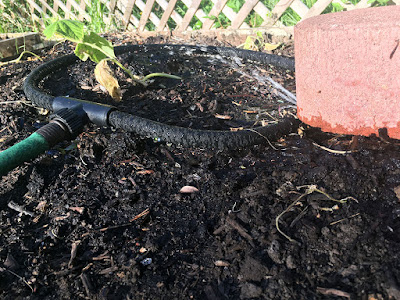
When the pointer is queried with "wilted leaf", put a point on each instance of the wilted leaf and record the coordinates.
(68, 29)
(270, 47)
(94, 47)
(188, 189)
(105, 77)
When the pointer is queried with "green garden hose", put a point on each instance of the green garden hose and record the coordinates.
(64, 124)
(26, 150)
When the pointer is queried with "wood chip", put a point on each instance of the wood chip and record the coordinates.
(333, 292)
(108, 270)
(145, 172)
(188, 189)
(77, 209)
(221, 263)
(223, 117)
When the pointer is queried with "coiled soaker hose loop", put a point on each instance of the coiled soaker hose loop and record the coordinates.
(71, 114)
(186, 137)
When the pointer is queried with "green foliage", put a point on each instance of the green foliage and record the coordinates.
(97, 10)
(235, 4)
(378, 2)
(67, 29)
(15, 17)
(92, 46)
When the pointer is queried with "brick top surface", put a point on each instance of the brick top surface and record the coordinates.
(366, 17)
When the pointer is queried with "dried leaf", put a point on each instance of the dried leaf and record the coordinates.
(270, 47)
(105, 77)
(188, 189)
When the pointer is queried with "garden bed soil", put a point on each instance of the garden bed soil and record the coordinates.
(103, 217)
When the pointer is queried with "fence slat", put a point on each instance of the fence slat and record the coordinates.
(145, 14)
(55, 6)
(68, 6)
(189, 15)
(83, 9)
(167, 13)
(279, 9)
(128, 13)
(174, 16)
(300, 8)
(243, 13)
(36, 7)
(112, 6)
(54, 13)
(153, 18)
(262, 10)
(64, 8)
(363, 4)
(80, 10)
(318, 8)
(215, 11)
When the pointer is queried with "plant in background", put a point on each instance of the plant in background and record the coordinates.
(99, 50)
(258, 43)
(15, 17)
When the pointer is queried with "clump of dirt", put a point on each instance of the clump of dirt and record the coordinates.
(103, 217)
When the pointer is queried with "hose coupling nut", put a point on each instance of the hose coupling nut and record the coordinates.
(69, 120)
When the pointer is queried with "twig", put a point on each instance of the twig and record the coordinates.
(310, 189)
(11, 102)
(343, 152)
(268, 141)
(341, 220)
(23, 279)
(142, 214)
(74, 249)
(335, 292)
(19, 209)
(240, 229)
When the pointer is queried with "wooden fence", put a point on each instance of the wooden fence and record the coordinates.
(138, 14)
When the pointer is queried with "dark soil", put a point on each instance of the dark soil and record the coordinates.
(109, 221)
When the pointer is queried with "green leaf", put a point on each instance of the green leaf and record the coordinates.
(68, 29)
(94, 47)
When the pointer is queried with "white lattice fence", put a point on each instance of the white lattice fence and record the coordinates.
(138, 14)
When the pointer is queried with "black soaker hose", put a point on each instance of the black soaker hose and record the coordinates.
(184, 136)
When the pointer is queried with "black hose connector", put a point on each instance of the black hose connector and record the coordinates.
(70, 119)
(53, 133)
(65, 124)
(94, 112)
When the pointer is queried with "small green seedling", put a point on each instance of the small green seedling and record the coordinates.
(257, 43)
(18, 59)
(96, 48)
